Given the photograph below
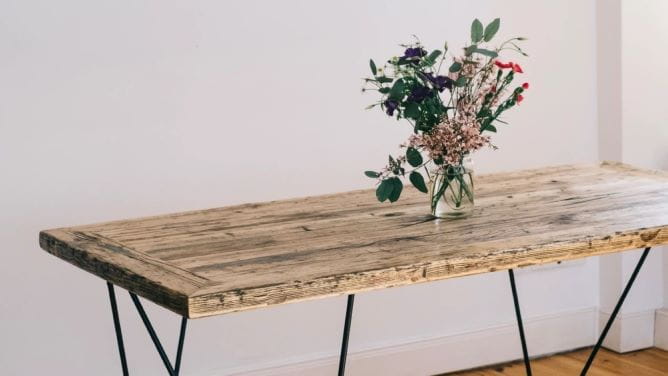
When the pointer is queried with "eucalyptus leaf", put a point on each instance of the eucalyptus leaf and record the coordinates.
(461, 81)
(371, 174)
(431, 58)
(413, 157)
(476, 31)
(384, 189)
(383, 79)
(397, 187)
(412, 111)
(490, 128)
(372, 65)
(455, 67)
(491, 29)
(397, 91)
(384, 90)
(418, 181)
(486, 52)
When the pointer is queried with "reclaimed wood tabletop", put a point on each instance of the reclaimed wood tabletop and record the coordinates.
(215, 261)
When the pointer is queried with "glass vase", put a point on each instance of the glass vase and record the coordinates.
(451, 191)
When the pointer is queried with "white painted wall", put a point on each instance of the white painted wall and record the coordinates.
(645, 134)
(645, 117)
(119, 109)
(630, 130)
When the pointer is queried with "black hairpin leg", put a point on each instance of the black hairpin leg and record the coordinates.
(615, 311)
(346, 335)
(117, 327)
(525, 352)
(173, 371)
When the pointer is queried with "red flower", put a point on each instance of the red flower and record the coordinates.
(525, 85)
(503, 65)
(520, 98)
(517, 68)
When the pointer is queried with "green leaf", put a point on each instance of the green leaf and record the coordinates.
(371, 174)
(485, 52)
(455, 67)
(491, 29)
(384, 189)
(397, 187)
(461, 81)
(412, 111)
(431, 58)
(397, 91)
(383, 79)
(384, 90)
(413, 157)
(470, 49)
(418, 181)
(372, 65)
(490, 128)
(476, 31)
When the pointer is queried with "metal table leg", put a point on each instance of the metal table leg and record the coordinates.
(346, 335)
(629, 284)
(518, 314)
(173, 371)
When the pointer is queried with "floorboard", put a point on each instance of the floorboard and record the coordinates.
(650, 362)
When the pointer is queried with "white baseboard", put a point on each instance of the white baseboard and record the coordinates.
(427, 356)
(630, 331)
(661, 329)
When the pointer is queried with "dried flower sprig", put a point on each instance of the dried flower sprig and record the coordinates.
(449, 113)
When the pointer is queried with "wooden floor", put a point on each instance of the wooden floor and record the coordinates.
(651, 362)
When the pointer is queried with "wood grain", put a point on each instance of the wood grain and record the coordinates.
(209, 262)
(650, 362)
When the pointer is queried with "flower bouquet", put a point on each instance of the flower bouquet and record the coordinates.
(451, 115)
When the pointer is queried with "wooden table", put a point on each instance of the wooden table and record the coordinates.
(216, 261)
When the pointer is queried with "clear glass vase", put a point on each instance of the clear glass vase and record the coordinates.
(451, 191)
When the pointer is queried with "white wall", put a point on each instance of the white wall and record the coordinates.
(644, 118)
(119, 109)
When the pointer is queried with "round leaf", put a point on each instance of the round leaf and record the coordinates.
(413, 157)
(371, 174)
(397, 187)
(384, 189)
(418, 181)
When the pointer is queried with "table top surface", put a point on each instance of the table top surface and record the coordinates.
(209, 262)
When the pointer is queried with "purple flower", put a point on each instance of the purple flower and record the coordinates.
(390, 106)
(439, 82)
(412, 52)
(419, 93)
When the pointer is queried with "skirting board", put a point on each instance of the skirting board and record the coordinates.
(545, 335)
(661, 329)
(630, 331)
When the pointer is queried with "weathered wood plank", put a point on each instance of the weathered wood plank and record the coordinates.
(215, 261)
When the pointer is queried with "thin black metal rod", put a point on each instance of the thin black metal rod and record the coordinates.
(525, 352)
(154, 336)
(117, 326)
(629, 284)
(179, 350)
(346, 335)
